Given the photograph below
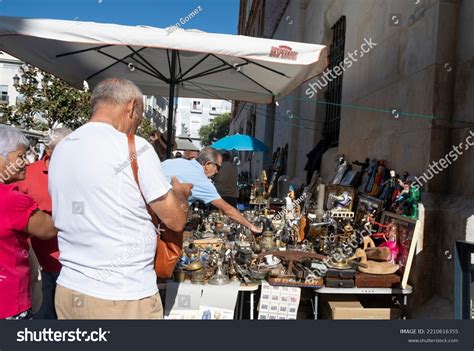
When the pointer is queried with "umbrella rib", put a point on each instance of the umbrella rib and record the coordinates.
(107, 67)
(209, 92)
(214, 70)
(232, 89)
(122, 61)
(207, 72)
(150, 66)
(194, 66)
(169, 62)
(246, 76)
(96, 48)
(179, 64)
(268, 68)
(200, 92)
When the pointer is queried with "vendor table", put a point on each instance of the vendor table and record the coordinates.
(366, 291)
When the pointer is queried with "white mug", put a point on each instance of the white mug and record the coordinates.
(269, 259)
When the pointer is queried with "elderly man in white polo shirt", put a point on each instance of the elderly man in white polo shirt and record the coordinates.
(106, 238)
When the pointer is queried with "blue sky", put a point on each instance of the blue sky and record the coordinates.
(217, 16)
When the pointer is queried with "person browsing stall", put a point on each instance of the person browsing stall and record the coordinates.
(198, 173)
(35, 185)
(226, 181)
(20, 217)
(107, 241)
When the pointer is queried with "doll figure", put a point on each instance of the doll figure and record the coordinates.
(391, 241)
(378, 178)
(399, 186)
(387, 189)
(390, 234)
(362, 177)
(404, 246)
(406, 202)
(341, 170)
(371, 173)
(289, 204)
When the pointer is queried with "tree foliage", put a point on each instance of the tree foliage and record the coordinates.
(146, 128)
(46, 102)
(217, 129)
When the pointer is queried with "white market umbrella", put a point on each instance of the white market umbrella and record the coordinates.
(161, 62)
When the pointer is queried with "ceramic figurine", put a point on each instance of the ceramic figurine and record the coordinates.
(289, 204)
(342, 201)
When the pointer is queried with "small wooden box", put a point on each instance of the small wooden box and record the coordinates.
(364, 280)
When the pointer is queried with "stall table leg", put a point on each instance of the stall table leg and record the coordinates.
(252, 299)
(242, 302)
(316, 304)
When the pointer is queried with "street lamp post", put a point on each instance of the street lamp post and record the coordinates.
(16, 80)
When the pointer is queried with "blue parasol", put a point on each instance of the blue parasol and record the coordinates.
(240, 142)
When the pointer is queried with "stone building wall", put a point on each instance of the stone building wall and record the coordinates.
(422, 65)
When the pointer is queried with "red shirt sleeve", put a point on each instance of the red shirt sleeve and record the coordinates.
(21, 206)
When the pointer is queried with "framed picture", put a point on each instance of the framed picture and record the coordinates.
(407, 231)
(338, 196)
(367, 204)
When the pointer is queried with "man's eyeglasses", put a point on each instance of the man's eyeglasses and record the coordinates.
(218, 166)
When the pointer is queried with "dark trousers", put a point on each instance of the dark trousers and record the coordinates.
(231, 200)
(47, 310)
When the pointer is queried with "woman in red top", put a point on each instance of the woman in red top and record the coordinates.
(19, 218)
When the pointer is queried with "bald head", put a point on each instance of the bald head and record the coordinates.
(114, 91)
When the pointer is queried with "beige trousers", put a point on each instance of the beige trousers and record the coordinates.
(71, 304)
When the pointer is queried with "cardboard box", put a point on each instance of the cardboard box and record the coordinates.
(346, 307)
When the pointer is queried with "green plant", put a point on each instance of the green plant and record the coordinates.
(217, 129)
(46, 102)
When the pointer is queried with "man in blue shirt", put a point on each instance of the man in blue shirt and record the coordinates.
(197, 172)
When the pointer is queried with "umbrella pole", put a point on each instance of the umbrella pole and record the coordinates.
(169, 145)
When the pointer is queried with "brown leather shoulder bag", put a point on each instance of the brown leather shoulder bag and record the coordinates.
(169, 243)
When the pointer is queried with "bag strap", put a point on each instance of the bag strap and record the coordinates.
(132, 153)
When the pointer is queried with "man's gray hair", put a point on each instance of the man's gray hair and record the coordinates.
(10, 140)
(114, 91)
(208, 154)
(55, 136)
